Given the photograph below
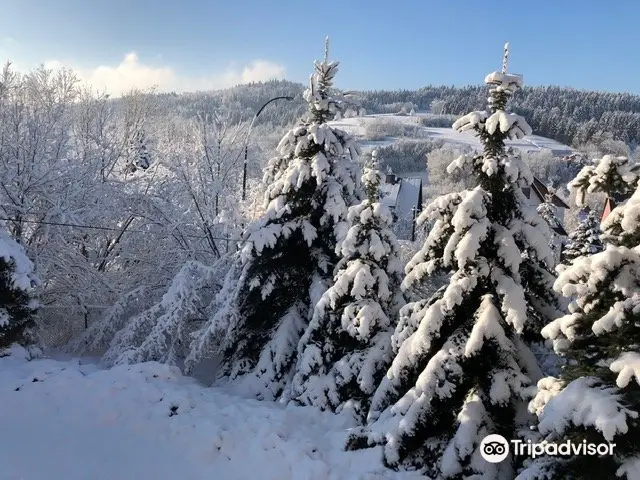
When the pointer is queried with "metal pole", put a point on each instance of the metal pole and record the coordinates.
(246, 143)
(244, 173)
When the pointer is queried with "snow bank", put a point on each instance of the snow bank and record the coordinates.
(64, 419)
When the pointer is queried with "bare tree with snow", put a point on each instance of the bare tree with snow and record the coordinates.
(139, 155)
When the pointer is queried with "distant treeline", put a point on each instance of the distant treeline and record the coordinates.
(571, 116)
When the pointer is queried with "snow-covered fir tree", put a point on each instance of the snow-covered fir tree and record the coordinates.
(617, 177)
(17, 305)
(549, 213)
(597, 397)
(289, 254)
(584, 240)
(346, 349)
(462, 368)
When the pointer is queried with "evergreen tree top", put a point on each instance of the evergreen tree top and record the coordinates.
(588, 223)
(494, 126)
(372, 178)
(323, 101)
(503, 84)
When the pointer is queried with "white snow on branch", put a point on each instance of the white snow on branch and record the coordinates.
(513, 301)
(487, 326)
(587, 403)
(22, 276)
(515, 126)
(627, 366)
(630, 467)
(471, 121)
(547, 388)
(507, 81)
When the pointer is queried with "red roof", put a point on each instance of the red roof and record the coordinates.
(609, 205)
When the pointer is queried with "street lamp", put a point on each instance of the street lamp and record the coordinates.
(246, 144)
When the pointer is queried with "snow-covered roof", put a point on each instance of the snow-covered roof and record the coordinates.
(409, 197)
(389, 193)
(403, 196)
(542, 191)
(609, 204)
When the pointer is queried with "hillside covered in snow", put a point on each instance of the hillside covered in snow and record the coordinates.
(411, 126)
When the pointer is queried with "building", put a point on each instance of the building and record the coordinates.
(609, 204)
(403, 196)
(537, 192)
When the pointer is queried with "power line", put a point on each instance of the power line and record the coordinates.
(96, 227)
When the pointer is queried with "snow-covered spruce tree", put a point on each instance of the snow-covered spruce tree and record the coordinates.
(17, 306)
(617, 177)
(584, 240)
(346, 349)
(289, 253)
(597, 397)
(462, 369)
(549, 213)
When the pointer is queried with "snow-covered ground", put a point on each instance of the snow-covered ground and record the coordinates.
(68, 419)
(356, 127)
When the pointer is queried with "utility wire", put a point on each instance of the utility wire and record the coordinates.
(95, 227)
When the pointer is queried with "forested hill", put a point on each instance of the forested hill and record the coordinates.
(570, 116)
(240, 102)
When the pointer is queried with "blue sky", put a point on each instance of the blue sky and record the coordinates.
(381, 44)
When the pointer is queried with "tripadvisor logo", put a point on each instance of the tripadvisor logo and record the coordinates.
(495, 448)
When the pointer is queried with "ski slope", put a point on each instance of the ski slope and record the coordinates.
(356, 127)
(68, 419)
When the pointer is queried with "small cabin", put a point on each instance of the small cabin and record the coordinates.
(403, 197)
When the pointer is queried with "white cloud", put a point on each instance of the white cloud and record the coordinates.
(132, 73)
(8, 42)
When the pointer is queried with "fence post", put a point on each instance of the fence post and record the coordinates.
(413, 224)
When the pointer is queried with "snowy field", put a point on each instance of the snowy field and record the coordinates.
(355, 126)
(68, 419)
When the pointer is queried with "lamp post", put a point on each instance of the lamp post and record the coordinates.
(246, 144)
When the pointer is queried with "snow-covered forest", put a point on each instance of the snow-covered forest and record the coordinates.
(222, 272)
